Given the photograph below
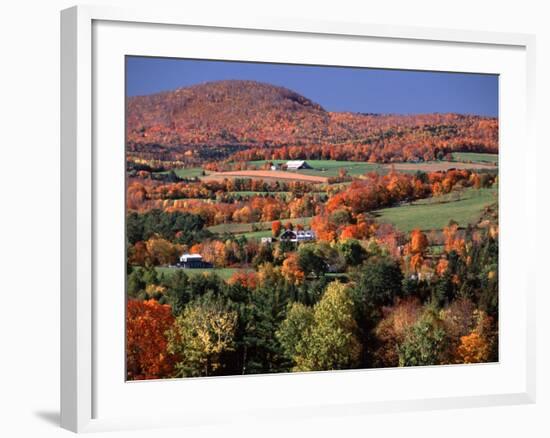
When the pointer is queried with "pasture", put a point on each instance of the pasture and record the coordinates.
(321, 170)
(435, 213)
(437, 166)
(254, 229)
(257, 234)
(244, 194)
(330, 168)
(267, 175)
(223, 273)
(187, 172)
(475, 157)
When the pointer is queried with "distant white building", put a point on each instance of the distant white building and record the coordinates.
(185, 258)
(297, 236)
(275, 166)
(267, 239)
(192, 261)
(297, 165)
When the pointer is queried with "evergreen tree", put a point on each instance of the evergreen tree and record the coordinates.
(261, 348)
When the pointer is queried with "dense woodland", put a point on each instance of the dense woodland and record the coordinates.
(290, 316)
(364, 293)
(383, 297)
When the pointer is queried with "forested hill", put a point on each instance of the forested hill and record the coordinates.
(225, 112)
(251, 115)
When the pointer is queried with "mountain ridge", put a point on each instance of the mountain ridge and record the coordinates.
(233, 115)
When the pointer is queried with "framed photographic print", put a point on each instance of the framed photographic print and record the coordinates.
(286, 218)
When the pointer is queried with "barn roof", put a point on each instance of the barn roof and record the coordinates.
(295, 163)
(191, 256)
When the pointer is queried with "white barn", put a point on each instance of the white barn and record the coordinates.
(193, 261)
(185, 258)
(297, 165)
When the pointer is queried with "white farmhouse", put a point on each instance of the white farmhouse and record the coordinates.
(297, 236)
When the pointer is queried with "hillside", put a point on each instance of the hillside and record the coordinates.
(215, 120)
(244, 112)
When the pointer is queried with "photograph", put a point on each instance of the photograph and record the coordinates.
(286, 218)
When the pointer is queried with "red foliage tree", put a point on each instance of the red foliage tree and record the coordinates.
(276, 227)
(146, 325)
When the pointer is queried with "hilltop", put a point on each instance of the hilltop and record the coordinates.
(224, 112)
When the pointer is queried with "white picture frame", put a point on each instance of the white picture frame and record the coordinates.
(83, 188)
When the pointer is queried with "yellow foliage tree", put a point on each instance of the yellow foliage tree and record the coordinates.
(200, 335)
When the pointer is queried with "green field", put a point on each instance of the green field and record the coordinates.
(254, 229)
(191, 172)
(475, 157)
(435, 213)
(250, 193)
(280, 195)
(257, 234)
(330, 168)
(223, 273)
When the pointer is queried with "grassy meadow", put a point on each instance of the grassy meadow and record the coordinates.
(475, 157)
(331, 168)
(435, 213)
(224, 273)
(254, 229)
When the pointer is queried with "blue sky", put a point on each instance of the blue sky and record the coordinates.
(335, 88)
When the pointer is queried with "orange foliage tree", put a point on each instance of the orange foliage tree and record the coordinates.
(246, 279)
(417, 247)
(291, 269)
(479, 345)
(473, 348)
(324, 228)
(453, 242)
(146, 343)
(419, 242)
(276, 227)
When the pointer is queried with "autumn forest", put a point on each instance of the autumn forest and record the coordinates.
(267, 234)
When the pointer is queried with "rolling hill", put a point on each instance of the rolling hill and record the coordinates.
(225, 112)
(214, 120)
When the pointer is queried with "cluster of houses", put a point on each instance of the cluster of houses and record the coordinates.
(294, 236)
(195, 261)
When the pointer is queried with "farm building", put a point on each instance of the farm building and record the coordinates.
(267, 239)
(297, 165)
(297, 236)
(193, 261)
